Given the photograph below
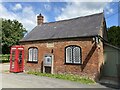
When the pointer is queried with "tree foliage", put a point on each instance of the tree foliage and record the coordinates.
(12, 32)
(114, 35)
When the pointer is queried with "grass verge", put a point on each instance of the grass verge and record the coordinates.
(75, 78)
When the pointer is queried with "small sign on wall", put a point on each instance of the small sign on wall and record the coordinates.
(50, 44)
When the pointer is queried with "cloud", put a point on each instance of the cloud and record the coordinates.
(47, 7)
(17, 7)
(108, 9)
(5, 14)
(57, 10)
(90, 0)
(77, 9)
(27, 16)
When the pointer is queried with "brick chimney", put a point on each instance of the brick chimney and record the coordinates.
(40, 19)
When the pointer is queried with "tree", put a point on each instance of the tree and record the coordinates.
(12, 32)
(114, 35)
(0, 36)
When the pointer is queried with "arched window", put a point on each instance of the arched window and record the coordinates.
(33, 54)
(73, 54)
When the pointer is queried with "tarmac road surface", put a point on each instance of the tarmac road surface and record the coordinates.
(22, 80)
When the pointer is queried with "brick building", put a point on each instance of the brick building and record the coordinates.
(73, 46)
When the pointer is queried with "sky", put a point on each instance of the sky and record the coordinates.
(26, 12)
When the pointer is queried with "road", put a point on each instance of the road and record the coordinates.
(22, 80)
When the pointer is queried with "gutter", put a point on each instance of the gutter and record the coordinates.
(59, 38)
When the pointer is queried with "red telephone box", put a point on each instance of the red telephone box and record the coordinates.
(17, 58)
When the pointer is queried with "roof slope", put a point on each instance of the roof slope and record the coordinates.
(77, 27)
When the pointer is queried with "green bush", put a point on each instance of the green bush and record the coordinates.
(4, 58)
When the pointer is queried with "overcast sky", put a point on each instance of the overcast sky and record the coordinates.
(26, 12)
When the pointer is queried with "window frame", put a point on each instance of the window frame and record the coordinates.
(32, 61)
(73, 46)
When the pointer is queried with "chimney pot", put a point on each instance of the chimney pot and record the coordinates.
(40, 19)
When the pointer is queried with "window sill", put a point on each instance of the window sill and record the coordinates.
(73, 63)
(31, 62)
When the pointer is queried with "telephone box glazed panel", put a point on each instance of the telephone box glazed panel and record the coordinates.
(17, 59)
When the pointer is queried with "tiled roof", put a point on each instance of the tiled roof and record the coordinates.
(76, 27)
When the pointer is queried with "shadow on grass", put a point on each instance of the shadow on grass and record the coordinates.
(4, 61)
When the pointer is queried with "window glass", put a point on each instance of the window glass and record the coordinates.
(69, 55)
(35, 54)
(30, 54)
(20, 57)
(76, 55)
(13, 55)
(13, 58)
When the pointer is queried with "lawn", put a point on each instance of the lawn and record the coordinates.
(75, 78)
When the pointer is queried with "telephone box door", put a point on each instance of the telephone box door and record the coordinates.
(20, 60)
(12, 59)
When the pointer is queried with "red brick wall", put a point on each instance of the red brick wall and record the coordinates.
(90, 61)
